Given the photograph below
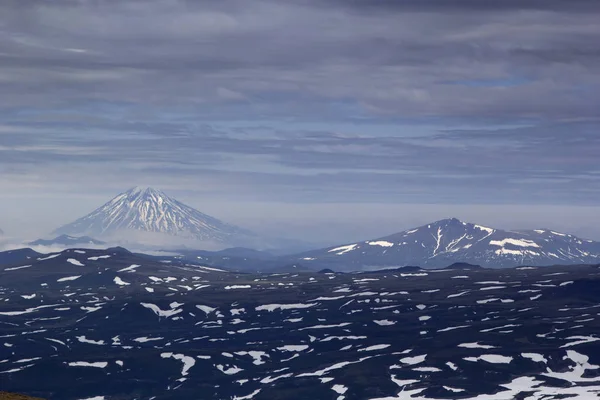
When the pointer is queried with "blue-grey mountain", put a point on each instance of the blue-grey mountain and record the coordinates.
(444, 242)
(66, 240)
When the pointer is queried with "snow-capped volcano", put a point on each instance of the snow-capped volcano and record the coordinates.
(447, 241)
(151, 210)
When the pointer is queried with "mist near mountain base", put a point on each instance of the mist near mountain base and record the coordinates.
(323, 224)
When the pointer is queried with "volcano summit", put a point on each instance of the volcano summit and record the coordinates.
(148, 210)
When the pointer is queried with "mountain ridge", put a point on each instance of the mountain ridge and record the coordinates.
(447, 241)
(67, 240)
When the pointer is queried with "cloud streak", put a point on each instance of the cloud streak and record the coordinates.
(303, 101)
(394, 60)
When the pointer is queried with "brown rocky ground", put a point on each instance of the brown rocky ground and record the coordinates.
(14, 396)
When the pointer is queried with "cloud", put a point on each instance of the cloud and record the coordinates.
(302, 101)
(392, 61)
(529, 164)
(466, 5)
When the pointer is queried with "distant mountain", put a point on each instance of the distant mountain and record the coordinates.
(448, 241)
(152, 211)
(66, 240)
(463, 265)
(1, 232)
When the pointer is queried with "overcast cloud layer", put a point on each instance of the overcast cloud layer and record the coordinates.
(252, 107)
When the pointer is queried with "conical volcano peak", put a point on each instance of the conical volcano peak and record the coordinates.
(150, 210)
(147, 195)
(144, 191)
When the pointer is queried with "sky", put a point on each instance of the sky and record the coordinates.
(332, 119)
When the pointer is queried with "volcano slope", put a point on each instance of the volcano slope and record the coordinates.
(87, 324)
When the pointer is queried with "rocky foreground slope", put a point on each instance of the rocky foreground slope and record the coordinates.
(15, 396)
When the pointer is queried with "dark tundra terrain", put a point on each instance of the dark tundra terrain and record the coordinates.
(91, 324)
